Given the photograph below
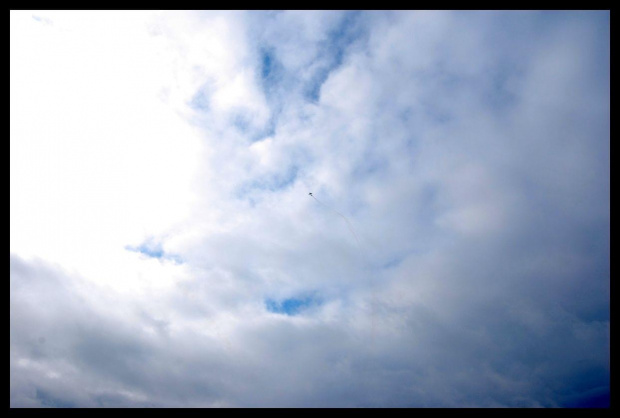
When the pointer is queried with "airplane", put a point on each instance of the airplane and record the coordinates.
(310, 194)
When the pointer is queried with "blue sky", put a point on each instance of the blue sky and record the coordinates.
(291, 306)
(165, 251)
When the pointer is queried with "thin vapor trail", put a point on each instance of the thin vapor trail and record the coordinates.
(343, 217)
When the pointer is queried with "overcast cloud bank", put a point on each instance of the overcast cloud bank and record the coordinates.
(165, 251)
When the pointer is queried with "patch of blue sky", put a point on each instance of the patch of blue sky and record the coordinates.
(271, 70)
(274, 82)
(333, 51)
(154, 250)
(278, 83)
(313, 87)
(267, 59)
(148, 249)
(292, 306)
(346, 32)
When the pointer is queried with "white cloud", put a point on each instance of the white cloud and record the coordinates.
(97, 162)
(159, 180)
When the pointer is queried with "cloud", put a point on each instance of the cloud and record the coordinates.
(165, 251)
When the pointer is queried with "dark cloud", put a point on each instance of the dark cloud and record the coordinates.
(470, 153)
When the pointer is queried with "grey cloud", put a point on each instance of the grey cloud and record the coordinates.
(470, 150)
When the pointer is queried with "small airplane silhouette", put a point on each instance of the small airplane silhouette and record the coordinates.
(310, 194)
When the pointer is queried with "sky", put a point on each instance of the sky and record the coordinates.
(165, 251)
